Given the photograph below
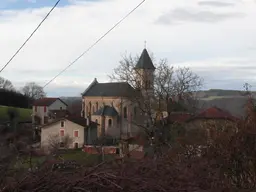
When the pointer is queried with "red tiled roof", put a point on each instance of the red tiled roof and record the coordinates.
(46, 101)
(215, 113)
(178, 117)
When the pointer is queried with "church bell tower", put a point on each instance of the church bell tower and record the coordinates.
(144, 70)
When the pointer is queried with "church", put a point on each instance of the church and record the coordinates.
(112, 105)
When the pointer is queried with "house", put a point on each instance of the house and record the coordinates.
(211, 117)
(69, 131)
(113, 106)
(48, 109)
(209, 123)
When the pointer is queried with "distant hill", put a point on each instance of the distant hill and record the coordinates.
(230, 100)
(74, 104)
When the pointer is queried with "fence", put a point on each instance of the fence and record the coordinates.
(98, 149)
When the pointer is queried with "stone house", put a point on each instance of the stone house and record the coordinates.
(207, 122)
(47, 109)
(212, 116)
(213, 120)
(71, 131)
(113, 106)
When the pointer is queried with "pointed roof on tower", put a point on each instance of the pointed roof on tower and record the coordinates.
(145, 61)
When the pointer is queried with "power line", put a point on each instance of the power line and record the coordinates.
(30, 36)
(96, 42)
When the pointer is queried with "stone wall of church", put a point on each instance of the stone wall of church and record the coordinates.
(123, 124)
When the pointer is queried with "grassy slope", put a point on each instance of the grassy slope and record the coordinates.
(23, 114)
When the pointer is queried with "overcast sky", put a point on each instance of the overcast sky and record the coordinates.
(216, 39)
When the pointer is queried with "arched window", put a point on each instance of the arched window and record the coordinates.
(96, 120)
(97, 106)
(110, 122)
(93, 109)
(90, 107)
(125, 112)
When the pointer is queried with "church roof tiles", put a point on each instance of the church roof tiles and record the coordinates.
(114, 89)
(107, 111)
(145, 61)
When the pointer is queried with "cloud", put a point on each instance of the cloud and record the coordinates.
(179, 15)
(71, 29)
(215, 3)
(225, 72)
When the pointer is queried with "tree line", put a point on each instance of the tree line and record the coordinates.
(23, 97)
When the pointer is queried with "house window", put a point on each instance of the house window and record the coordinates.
(35, 108)
(110, 122)
(62, 144)
(62, 124)
(75, 133)
(125, 112)
(60, 108)
(44, 108)
(62, 132)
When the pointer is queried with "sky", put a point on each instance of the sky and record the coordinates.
(215, 38)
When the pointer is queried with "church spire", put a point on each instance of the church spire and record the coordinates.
(145, 61)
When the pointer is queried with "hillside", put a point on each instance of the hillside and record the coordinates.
(74, 104)
(230, 100)
(23, 114)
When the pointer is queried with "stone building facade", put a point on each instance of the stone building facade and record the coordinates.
(113, 106)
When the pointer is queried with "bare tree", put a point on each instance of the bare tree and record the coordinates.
(6, 84)
(54, 143)
(169, 82)
(33, 90)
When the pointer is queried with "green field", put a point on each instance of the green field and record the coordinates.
(216, 97)
(23, 114)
